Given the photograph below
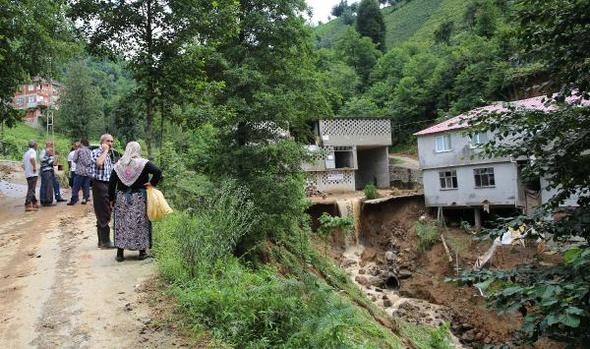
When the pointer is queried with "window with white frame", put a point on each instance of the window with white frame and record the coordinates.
(442, 143)
(484, 177)
(478, 139)
(448, 179)
(20, 100)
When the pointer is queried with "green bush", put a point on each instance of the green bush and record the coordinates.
(330, 224)
(426, 234)
(370, 192)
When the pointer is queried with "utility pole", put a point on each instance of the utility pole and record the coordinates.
(49, 127)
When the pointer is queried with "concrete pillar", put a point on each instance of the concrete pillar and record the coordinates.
(477, 216)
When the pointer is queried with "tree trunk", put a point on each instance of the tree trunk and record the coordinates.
(149, 103)
(149, 117)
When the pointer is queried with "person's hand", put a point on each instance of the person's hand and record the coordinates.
(148, 185)
(104, 147)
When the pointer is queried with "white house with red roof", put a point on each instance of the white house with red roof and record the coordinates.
(456, 175)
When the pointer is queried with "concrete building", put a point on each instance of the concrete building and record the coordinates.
(36, 96)
(455, 174)
(349, 154)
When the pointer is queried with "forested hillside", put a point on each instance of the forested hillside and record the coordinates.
(407, 21)
(440, 58)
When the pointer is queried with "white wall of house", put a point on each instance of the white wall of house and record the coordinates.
(461, 150)
(504, 191)
(547, 194)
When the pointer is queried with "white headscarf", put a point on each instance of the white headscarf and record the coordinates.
(130, 166)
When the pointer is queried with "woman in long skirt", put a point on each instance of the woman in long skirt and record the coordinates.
(127, 193)
(46, 190)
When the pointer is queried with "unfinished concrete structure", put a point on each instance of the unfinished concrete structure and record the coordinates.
(349, 153)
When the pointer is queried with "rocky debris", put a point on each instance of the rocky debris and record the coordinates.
(369, 254)
(404, 274)
(362, 280)
(390, 257)
(347, 263)
(387, 302)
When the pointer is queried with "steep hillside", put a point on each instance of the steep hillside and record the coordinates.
(413, 20)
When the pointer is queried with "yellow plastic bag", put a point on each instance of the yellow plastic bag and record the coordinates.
(157, 207)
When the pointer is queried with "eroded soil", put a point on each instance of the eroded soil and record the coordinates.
(387, 244)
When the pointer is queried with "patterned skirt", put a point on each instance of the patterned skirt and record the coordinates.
(133, 230)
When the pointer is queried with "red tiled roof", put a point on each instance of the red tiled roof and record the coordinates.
(461, 121)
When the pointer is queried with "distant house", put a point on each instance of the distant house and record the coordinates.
(36, 96)
(456, 175)
(349, 153)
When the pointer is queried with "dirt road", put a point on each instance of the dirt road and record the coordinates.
(58, 290)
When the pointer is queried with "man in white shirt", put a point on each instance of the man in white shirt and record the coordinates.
(72, 164)
(30, 166)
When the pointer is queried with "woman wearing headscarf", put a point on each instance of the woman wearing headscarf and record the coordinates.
(127, 192)
(46, 190)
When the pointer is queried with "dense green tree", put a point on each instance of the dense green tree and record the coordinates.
(370, 22)
(359, 53)
(557, 32)
(339, 8)
(126, 121)
(443, 33)
(147, 31)
(34, 39)
(360, 107)
(339, 81)
(269, 87)
(81, 105)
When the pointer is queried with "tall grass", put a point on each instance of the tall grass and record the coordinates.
(426, 235)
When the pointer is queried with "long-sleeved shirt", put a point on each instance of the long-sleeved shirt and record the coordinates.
(101, 173)
(149, 169)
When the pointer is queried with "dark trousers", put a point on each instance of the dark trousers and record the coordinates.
(102, 209)
(56, 188)
(71, 179)
(31, 186)
(81, 182)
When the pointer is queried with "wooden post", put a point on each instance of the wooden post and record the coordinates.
(477, 216)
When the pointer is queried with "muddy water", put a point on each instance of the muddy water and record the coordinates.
(368, 276)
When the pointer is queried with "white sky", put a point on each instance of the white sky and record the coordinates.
(321, 9)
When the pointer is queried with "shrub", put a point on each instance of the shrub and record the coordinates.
(370, 192)
(330, 224)
(426, 234)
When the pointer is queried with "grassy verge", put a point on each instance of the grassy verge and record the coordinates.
(263, 306)
(15, 141)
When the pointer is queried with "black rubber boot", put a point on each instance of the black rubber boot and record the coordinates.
(120, 257)
(104, 242)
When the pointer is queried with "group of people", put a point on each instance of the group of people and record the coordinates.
(118, 189)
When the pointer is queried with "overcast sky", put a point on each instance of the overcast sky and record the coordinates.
(321, 9)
